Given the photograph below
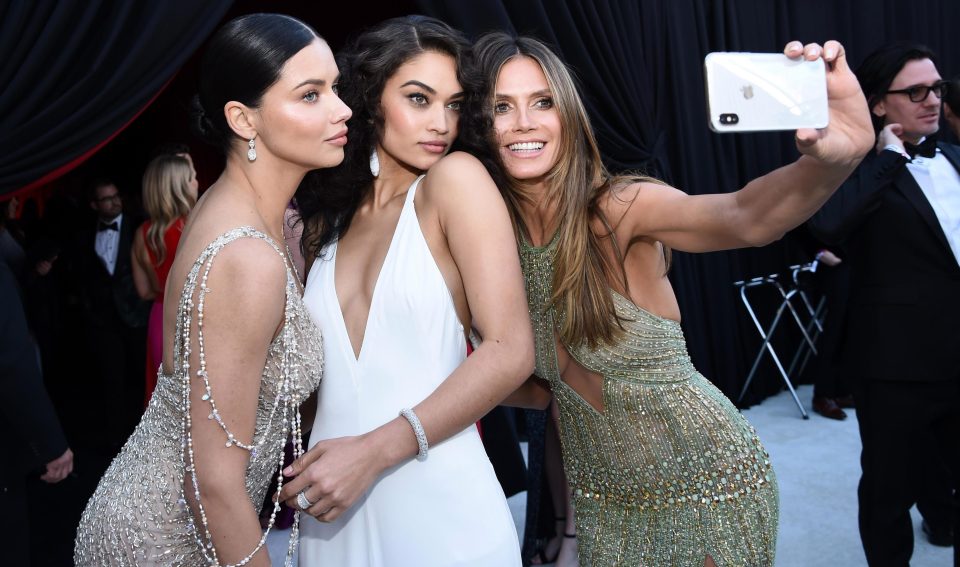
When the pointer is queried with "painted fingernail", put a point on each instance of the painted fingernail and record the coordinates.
(829, 52)
(288, 471)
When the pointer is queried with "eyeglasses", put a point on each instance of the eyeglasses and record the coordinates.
(919, 93)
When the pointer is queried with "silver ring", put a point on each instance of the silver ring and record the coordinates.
(302, 501)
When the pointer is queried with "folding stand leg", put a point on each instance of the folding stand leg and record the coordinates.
(787, 296)
(765, 335)
(802, 350)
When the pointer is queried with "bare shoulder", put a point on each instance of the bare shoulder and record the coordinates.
(251, 263)
(629, 201)
(248, 277)
(458, 175)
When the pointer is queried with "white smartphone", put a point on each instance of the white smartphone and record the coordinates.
(751, 92)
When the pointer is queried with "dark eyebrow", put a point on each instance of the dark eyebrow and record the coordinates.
(317, 82)
(427, 88)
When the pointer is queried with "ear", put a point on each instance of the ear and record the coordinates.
(879, 109)
(241, 119)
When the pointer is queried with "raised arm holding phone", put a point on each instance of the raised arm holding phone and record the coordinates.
(663, 468)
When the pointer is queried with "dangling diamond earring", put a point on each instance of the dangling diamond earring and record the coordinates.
(374, 163)
(252, 152)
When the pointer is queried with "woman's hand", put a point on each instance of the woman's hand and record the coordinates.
(849, 136)
(333, 474)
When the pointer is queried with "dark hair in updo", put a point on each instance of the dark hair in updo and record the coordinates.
(328, 198)
(243, 59)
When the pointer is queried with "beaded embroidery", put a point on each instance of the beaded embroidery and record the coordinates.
(139, 512)
(669, 472)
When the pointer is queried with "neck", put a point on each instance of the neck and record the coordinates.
(268, 183)
(538, 212)
(394, 179)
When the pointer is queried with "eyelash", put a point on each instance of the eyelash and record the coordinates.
(418, 99)
(315, 94)
(545, 103)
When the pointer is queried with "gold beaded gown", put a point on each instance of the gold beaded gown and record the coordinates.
(138, 514)
(669, 472)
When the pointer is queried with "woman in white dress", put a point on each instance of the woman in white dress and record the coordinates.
(403, 265)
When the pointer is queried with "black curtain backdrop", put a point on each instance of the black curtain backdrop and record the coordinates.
(75, 73)
(640, 69)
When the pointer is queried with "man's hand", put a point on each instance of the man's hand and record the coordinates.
(890, 136)
(59, 468)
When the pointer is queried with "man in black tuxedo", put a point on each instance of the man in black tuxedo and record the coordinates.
(898, 217)
(112, 316)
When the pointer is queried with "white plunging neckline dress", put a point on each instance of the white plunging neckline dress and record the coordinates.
(448, 510)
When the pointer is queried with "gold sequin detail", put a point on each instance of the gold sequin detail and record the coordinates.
(670, 471)
(138, 514)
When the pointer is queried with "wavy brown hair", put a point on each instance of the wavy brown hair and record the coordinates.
(166, 198)
(582, 272)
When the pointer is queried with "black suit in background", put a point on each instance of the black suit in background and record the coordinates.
(902, 347)
(111, 322)
(31, 432)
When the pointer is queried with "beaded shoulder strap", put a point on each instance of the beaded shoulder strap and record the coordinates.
(283, 403)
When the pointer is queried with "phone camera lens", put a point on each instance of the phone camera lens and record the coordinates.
(729, 119)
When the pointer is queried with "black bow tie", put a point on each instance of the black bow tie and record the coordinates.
(108, 226)
(927, 148)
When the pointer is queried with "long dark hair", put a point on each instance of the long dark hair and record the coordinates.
(328, 198)
(243, 59)
(881, 67)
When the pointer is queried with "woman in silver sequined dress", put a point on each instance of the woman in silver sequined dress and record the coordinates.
(664, 469)
(240, 352)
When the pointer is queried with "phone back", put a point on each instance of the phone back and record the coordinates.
(750, 92)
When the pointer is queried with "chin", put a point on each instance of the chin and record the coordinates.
(331, 160)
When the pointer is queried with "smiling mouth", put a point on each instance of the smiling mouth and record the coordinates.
(526, 147)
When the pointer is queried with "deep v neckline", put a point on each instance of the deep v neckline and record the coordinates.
(356, 354)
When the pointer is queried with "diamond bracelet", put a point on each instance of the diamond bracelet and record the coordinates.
(418, 431)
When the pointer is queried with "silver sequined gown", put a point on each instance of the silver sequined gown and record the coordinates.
(138, 515)
(669, 471)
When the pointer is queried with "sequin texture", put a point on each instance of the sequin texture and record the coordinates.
(669, 472)
(138, 514)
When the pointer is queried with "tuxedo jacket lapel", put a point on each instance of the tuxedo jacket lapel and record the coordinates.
(95, 260)
(124, 243)
(910, 189)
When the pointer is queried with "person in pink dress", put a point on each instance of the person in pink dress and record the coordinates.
(169, 192)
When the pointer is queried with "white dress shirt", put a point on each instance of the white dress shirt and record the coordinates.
(940, 183)
(108, 242)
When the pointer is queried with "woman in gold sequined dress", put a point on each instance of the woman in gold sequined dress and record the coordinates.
(664, 469)
(240, 350)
